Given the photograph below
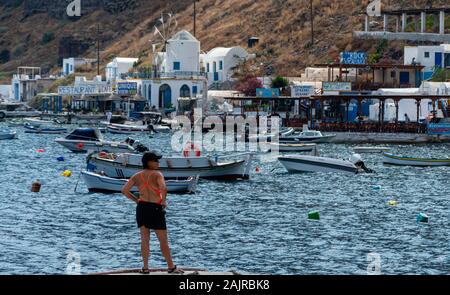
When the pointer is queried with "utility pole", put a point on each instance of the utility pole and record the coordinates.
(195, 17)
(312, 23)
(98, 49)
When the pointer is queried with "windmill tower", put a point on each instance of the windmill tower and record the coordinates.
(165, 27)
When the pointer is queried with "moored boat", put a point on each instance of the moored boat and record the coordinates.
(310, 136)
(100, 183)
(36, 122)
(126, 165)
(7, 134)
(410, 161)
(293, 147)
(44, 130)
(370, 149)
(82, 140)
(300, 163)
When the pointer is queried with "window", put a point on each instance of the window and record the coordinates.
(427, 54)
(214, 67)
(176, 66)
(194, 90)
(220, 65)
(207, 67)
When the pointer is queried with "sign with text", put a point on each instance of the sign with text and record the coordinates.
(302, 91)
(337, 86)
(84, 90)
(267, 93)
(353, 58)
(439, 129)
(127, 88)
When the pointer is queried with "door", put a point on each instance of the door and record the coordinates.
(404, 78)
(438, 60)
(216, 76)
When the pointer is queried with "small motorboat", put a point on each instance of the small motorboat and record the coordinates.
(409, 161)
(7, 134)
(310, 136)
(44, 130)
(299, 163)
(99, 183)
(370, 149)
(293, 147)
(84, 140)
(125, 165)
(131, 129)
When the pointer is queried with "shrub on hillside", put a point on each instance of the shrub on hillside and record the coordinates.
(48, 37)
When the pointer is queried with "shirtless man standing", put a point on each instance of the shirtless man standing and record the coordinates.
(150, 211)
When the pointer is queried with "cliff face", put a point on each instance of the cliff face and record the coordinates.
(38, 33)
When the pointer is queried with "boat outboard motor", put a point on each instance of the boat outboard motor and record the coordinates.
(130, 141)
(356, 159)
(139, 147)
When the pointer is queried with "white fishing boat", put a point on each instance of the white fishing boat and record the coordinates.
(131, 129)
(309, 136)
(293, 147)
(410, 161)
(44, 130)
(298, 163)
(370, 149)
(82, 140)
(99, 183)
(126, 165)
(37, 122)
(7, 134)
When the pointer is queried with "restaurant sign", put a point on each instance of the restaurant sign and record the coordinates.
(84, 90)
(439, 129)
(302, 91)
(337, 86)
(127, 88)
(353, 58)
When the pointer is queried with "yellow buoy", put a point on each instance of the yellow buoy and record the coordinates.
(66, 173)
(393, 203)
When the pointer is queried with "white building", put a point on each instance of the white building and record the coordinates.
(28, 82)
(178, 79)
(431, 57)
(70, 65)
(119, 67)
(182, 54)
(220, 63)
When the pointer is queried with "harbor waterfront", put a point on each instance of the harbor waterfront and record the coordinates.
(256, 226)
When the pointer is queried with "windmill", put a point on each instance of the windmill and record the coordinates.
(165, 27)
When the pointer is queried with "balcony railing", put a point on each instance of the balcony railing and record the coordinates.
(173, 75)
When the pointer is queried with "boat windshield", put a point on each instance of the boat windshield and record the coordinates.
(86, 134)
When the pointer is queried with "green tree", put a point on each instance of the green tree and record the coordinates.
(279, 82)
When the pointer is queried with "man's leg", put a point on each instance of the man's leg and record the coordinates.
(145, 245)
(164, 244)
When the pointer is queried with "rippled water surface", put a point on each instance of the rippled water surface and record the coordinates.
(257, 226)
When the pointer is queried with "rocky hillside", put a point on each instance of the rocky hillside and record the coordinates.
(39, 33)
